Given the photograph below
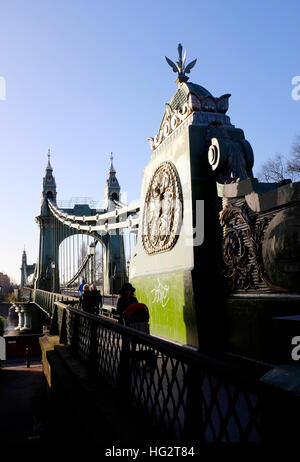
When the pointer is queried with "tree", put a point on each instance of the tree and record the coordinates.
(5, 283)
(280, 168)
(294, 164)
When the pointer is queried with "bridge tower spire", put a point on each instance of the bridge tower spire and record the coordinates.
(23, 268)
(114, 254)
(48, 188)
(111, 163)
(48, 246)
(112, 188)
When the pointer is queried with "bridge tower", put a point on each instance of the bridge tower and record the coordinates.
(47, 273)
(114, 270)
(114, 265)
(26, 270)
(112, 188)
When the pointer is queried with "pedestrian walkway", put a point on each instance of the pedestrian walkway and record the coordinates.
(21, 393)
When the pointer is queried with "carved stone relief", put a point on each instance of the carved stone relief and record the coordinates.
(232, 160)
(162, 214)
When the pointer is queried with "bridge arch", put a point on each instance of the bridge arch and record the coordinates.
(60, 233)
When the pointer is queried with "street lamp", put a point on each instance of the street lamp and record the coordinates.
(128, 266)
(92, 249)
(53, 276)
(92, 252)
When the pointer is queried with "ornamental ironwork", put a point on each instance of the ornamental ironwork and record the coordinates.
(162, 216)
(242, 247)
(180, 66)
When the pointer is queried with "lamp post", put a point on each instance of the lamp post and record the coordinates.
(128, 266)
(53, 276)
(92, 252)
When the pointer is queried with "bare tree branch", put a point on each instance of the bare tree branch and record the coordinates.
(293, 165)
(279, 168)
(273, 169)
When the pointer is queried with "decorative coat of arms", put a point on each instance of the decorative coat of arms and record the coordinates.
(162, 216)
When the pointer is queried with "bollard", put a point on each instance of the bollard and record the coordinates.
(27, 357)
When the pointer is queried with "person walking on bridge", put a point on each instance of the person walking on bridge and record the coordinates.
(80, 288)
(96, 299)
(86, 301)
(126, 298)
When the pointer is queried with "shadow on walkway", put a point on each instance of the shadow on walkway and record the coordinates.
(25, 413)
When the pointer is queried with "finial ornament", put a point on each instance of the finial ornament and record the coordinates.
(111, 163)
(180, 65)
(49, 165)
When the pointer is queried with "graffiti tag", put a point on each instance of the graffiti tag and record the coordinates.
(160, 294)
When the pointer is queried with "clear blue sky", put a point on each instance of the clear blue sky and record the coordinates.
(86, 77)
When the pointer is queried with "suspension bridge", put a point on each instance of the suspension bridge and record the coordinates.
(70, 239)
(199, 248)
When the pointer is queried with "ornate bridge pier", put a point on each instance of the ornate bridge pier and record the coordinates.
(175, 269)
(218, 253)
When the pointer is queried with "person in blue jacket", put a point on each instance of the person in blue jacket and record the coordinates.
(80, 288)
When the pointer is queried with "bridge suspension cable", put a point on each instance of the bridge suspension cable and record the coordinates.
(74, 235)
(101, 222)
(82, 266)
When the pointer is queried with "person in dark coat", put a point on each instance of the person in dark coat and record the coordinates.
(96, 298)
(86, 301)
(126, 298)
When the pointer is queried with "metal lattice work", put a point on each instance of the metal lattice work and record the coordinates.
(108, 354)
(178, 100)
(158, 388)
(230, 414)
(179, 391)
(183, 393)
(84, 338)
(71, 327)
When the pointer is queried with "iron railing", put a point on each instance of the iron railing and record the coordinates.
(45, 300)
(181, 392)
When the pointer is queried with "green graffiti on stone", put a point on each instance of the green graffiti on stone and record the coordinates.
(172, 313)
